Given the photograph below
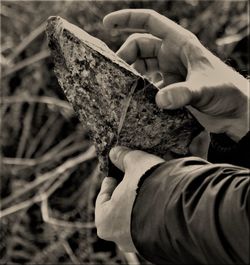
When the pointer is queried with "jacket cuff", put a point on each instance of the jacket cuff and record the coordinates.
(224, 150)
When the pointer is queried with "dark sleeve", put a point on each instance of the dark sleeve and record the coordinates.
(189, 211)
(224, 150)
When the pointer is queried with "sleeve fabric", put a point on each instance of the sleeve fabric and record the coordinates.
(189, 211)
(224, 150)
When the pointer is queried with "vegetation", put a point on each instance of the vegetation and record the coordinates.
(49, 172)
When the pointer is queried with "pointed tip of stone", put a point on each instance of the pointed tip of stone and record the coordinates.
(53, 19)
(52, 23)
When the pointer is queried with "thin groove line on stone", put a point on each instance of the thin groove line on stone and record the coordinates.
(126, 106)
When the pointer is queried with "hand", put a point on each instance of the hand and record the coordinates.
(115, 201)
(191, 75)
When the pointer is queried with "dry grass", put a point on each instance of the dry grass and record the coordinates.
(49, 171)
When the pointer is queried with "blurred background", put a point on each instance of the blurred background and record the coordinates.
(49, 172)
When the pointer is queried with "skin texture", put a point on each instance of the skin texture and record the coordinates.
(115, 201)
(190, 76)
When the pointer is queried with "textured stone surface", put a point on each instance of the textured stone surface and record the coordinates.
(112, 99)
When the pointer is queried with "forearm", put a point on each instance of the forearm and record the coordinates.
(191, 211)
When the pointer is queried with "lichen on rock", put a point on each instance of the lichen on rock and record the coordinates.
(112, 99)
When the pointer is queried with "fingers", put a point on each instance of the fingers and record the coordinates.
(139, 46)
(147, 19)
(175, 96)
(108, 186)
(146, 66)
(134, 162)
(141, 50)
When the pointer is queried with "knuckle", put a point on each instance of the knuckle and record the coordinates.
(151, 12)
(121, 153)
(193, 40)
(190, 38)
(135, 36)
(127, 158)
(140, 39)
(151, 15)
(130, 158)
(102, 233)
(191, 47)
(102, 228)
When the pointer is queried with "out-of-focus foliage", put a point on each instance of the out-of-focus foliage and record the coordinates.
(49, 176)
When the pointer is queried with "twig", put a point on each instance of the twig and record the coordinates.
(5, 46)
(62, 238)
(50, 156)
(26, 41)
(93, 179)
(54, 221)
(29, 186)
(19, 161)
(32, 99)
(68, 151)
(69, 251)
(20, 206)
(40, 136)
(25, 131)
(91, 191)
(31, 60)
(231, 39)
(51, 136)
(89, 154)
(56, 149)
(3, 60)
(56, 185)
(62, 223)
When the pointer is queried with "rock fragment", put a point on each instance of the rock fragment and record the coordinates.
(112, 99)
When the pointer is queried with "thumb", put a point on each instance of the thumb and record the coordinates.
(117, 155)
(174, 96)
(107, 188)
(133, 161)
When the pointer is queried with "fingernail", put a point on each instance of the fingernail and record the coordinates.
(164, 100)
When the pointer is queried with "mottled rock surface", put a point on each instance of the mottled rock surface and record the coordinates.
(112, 99)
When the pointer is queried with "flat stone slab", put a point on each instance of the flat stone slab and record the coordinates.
(112, 99)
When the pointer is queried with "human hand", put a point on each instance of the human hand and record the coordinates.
(191, 75)
(115, 201)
